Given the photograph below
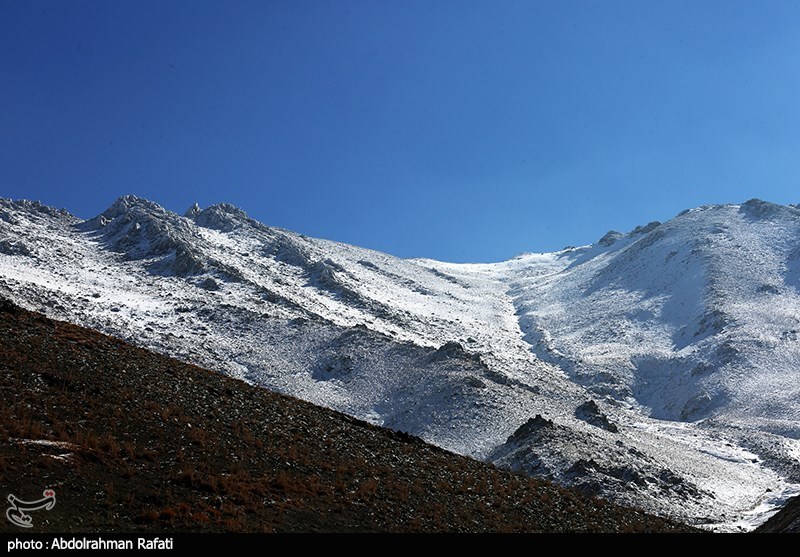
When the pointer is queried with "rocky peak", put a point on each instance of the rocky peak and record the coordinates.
(223, 216)
(128, 204)
(192, 211)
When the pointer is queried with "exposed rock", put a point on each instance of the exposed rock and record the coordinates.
(336, 366)
(593, 478)
(646, 229)
(187, 262)
(695, 406)
(531, 428)
(192, 211)
(10, 247)
(223, 217)
(759, 209)
(787, 520)
(7, 306)
(590, 413)
(209, 284)
(610, 238)
(453, 350)
(769, 289)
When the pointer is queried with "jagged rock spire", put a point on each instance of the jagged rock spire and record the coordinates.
(193, 210)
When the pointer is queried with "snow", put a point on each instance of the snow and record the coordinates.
(684, 333)
(46, 443)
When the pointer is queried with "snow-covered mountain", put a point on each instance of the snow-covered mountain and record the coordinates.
(658, 368)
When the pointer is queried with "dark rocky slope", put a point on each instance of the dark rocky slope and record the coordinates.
(786, 520)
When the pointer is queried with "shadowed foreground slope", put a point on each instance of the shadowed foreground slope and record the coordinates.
(134, 441)
(787, 520)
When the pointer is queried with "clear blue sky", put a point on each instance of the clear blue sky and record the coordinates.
(459, 130)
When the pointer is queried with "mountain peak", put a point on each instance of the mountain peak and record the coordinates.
(193, 210)
(222, 216)
(760, 209)
(683, 336)
(30, 207)
(127, 203)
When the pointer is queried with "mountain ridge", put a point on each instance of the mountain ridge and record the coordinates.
(464, 354)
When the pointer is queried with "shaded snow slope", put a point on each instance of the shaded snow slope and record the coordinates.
(659, 362)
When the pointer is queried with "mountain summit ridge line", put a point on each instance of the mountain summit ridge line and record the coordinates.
(657, 367)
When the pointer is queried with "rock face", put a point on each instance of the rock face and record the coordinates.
(660, 362)
(142, 230)
(531, 429)
(542, 447)
(787, 520)
(590, 413)
(222, 217)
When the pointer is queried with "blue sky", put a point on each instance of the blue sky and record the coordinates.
(457, 130)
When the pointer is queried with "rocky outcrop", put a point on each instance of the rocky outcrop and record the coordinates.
(590, 413)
